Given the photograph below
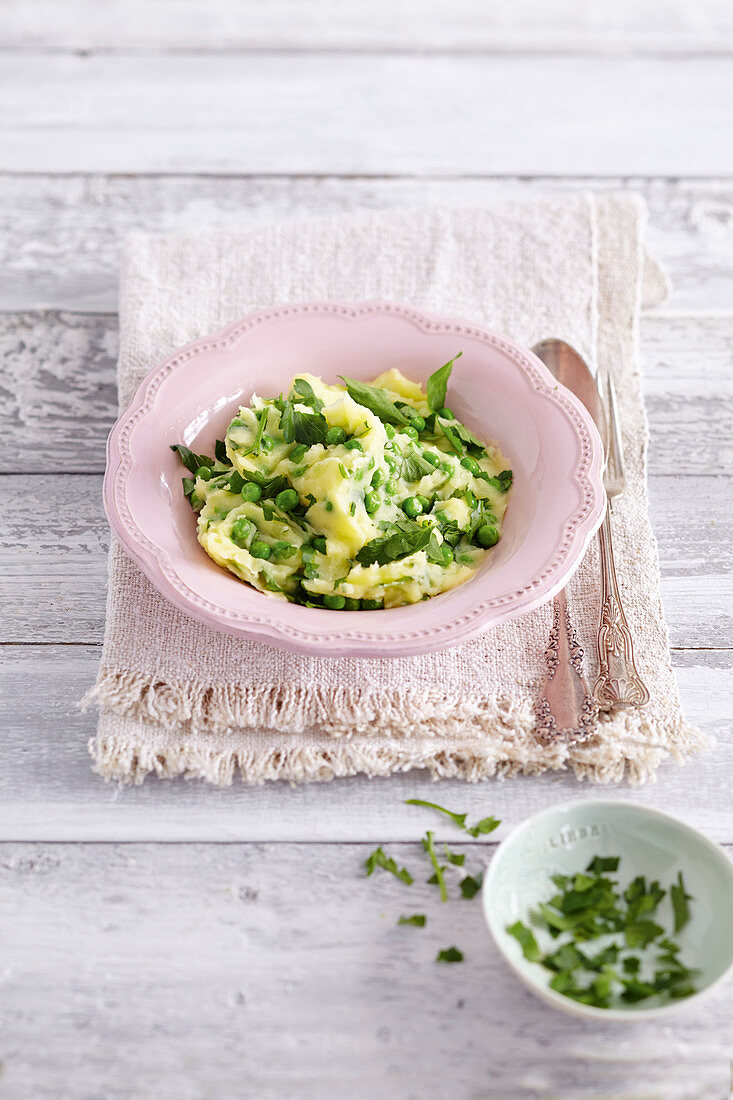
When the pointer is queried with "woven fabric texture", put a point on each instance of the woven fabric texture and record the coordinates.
(178, 698)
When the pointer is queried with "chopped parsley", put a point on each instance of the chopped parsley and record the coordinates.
(449, 955)
(637, 958)
(418, 920)
(378, 858)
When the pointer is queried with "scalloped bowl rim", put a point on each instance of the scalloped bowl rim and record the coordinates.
(352, 633)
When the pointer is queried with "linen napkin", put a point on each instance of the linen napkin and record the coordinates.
(178, 698)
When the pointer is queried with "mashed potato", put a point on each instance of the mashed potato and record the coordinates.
(350, 497)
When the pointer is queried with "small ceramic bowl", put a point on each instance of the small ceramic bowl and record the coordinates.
(563, 840)
(501, 391)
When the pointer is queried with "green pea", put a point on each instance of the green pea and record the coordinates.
(431, 458)
(297, 453)
(334, 436)
(417, 422)
(390, 431)
(287, 500)
(371, 605)
(353, 445)
(412, 507)
(335, 603)
(471, 465)
(352, 604)
(447, 414)
(371, 502)
(409, 431)
(390, 488)
(251, 492)
(447, 554)
(378, 478)
(240, 529)
(487, 535)
(425, 502)
(205, 473)
(319, 544)
(260, 549)
(283, 550)
(466, 559)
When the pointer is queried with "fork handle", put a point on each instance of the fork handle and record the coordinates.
(565, 708)
(619, 683)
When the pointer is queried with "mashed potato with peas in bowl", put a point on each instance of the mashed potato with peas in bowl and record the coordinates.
(350, 495)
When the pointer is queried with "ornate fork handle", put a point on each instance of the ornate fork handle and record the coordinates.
(618, 684)
(565, 708)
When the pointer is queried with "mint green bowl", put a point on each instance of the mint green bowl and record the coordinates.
(563, 840)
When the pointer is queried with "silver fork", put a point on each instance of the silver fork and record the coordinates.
(619, 683)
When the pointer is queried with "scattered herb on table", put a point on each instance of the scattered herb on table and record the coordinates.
(469, 885)
(449, 955)
(378, 858)
(486, 825)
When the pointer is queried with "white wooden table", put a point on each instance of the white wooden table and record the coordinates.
(174, 942)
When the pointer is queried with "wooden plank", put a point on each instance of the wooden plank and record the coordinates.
(57, 382)
(268, 971)
(60, 237)
(396, 113)
(48, 792)
(223, 25)
(53, 558)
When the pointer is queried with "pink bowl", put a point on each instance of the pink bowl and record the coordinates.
(502, 392)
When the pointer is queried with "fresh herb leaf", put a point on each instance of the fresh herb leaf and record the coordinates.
(429, 847)
(414, 467)
(502, 482)
(261, 426)
(220, 452)
(374, 399)
(474, 445)
(305, 393)
(486, 825)
(401, 541)
(470, 886)
(378, 858)
(449, 955)
(273, 486)
(446, 427)
(566, 958)
(309, 428)
(526, 940)
(641, 932)
(437, 387)
(434, 549)
(454, 857)
(418, 920)
(635, 990)
(188, 486)
(600, 864)
(679, 901)
(287, 423)
(188, 458)
(457, 819)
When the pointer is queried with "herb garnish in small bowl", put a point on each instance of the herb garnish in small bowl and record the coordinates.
(606, 908)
